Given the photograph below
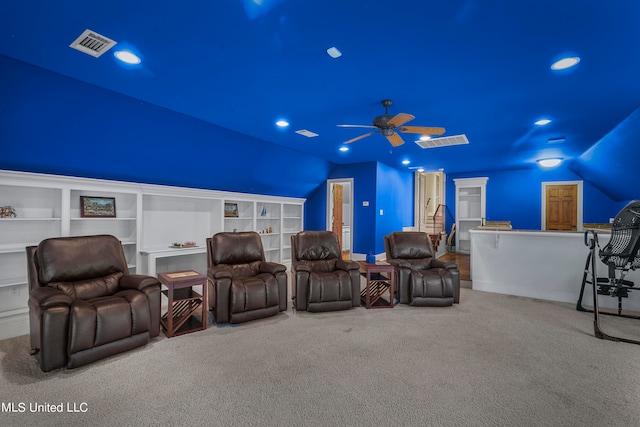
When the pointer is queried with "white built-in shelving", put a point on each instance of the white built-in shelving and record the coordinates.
(149, 220)
(470, 209)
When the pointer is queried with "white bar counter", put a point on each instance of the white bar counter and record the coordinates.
(546, 265)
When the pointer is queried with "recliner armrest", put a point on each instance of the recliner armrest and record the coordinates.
(219, 272)
(137, 281)
(301, 266)
(347, 265)
(399, 263)
(271, 267)
(449, 265)
(49, 297)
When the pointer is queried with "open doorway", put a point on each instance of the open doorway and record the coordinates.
(340, 212)
(431, 213)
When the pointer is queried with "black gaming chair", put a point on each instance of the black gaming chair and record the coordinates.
(621, 254)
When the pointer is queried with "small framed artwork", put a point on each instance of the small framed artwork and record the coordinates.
(97, 207)
(231, 210)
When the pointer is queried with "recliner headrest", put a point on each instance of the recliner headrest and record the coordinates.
(69, 259)
(317, 245)
(410, 245)
(236, 248)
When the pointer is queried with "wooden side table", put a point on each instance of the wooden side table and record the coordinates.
(380, 280)
(184, 302)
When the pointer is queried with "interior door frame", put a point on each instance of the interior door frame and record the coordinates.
(346, 214)
(543, 215)
(416, 197)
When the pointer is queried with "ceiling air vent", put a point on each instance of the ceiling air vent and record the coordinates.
(306, 133)
(443, 142)
(92, 43)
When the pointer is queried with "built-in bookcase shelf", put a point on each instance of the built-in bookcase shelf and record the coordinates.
(149, 220)
(470, 209)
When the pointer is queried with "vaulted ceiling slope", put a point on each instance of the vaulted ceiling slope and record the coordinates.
(475, 67)
(612, 164)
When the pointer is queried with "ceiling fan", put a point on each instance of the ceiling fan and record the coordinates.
(388, 125)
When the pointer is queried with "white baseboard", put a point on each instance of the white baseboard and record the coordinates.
(14, 326)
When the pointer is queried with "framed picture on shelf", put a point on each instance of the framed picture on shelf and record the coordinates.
(97, 207)
(231, 210)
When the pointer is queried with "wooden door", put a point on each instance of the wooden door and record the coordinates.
(337, 221)
(561, 207)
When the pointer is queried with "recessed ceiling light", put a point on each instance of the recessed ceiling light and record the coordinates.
(282, 123)
(542, 122)
(127, 57)
(564, 63)
(405, 162)
(425, 138)
(343, 149)
(420, 169)
(334, 52)
(549, 163)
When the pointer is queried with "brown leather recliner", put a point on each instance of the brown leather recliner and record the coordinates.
(242, 285)
(322, 280)
(422, 280)
(83, 303)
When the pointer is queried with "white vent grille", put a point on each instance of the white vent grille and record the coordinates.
(443, 142)
(306, 133)
(92, 43)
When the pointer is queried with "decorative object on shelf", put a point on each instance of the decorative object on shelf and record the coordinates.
(97, 207)
(7, 212)
(231, 210)
(184, 245)
(264, 211)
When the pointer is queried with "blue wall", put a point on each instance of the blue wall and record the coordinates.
(54, 124)
(395, 196)
(516, 196)
(364, 189)
(58, 125)
(384, 188)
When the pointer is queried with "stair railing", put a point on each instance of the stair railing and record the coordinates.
(441, 213)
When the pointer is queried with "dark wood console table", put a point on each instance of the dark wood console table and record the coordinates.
(380, 280)
(184, 302)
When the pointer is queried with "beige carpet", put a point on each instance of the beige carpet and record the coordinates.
(493, 360)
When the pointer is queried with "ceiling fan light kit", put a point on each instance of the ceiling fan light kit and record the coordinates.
(388, 125)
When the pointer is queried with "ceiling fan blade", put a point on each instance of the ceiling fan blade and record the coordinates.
(422, 130)
(400, 119)
(356, 126)
(358, 137)
(395, 139)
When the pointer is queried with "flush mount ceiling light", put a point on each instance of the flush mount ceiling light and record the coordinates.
(127, 57)
(565, 63)
(282, 123)
(542, 122)
(334, 52)
(549, 163)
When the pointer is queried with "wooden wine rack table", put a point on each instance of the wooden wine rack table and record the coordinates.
(380, 280)
(181, 316)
